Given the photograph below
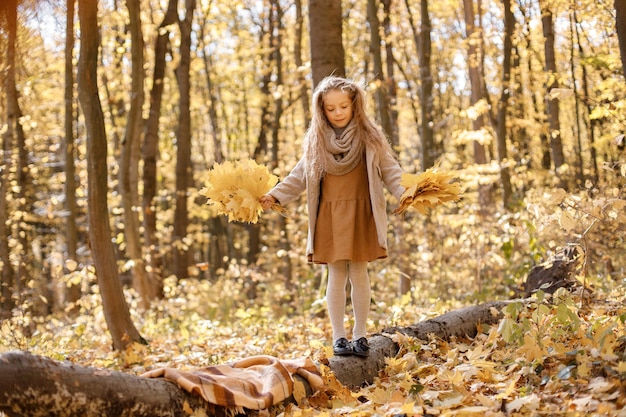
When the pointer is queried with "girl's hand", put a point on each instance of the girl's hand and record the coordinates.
(267, 201)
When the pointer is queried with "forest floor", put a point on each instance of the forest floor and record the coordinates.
(562, 357)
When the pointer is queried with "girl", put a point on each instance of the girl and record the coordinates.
(346, 160)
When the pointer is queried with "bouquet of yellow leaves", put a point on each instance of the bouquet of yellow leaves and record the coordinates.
(235, 188)
(426, 190)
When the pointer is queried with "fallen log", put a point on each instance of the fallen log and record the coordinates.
(37, 386)
(354, 371)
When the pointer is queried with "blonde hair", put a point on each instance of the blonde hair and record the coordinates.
(371, 135)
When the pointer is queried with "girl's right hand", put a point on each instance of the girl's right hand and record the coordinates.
(267, 201)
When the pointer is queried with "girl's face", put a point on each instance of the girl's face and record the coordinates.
(338, 108)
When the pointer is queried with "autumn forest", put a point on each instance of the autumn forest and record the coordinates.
(113, 113)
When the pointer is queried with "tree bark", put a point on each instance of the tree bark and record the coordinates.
(7, 282)
(16, 151)
(390, 84)
(325, 37)
(426, 78)
(183, 145)
(620, 26)
(212, 93)
(151, 151)
(299, 61)
(505, 175)
(354, 372)
(382, 100)
(37, 386)
(474, 65)
(130, 153)
(116, 313)
(552, 103)
(72, 294)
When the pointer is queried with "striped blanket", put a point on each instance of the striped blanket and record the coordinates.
(255, 383)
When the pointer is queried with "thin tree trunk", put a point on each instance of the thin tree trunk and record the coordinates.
(580, 176)
(620, 26)
(212, 90)
(116, 313)
(15, 145)
(546, 160)
(183, 146)
(72, 293)
(8, 272)
(424, 143)
(375, 51)
(276, 128)
(428, 142)
(505, 175)
(392, 99)
(474, 59)
(297, 51)
(588, 107)
(151, 151)
(267, 38)
(130, 153)
(552, 102)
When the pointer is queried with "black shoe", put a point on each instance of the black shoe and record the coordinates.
(360, 347)
(342, 347)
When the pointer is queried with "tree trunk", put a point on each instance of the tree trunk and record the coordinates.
(212, 92)
(267, 38)
(593, 156)
(325, 34)
(390, 84)
(382, 102)
(354, 372)
(577, 131)
(474, 64)
(620, 26)
(297, 51)
(116, 313)
(37, 386)
(129, 164)
(426, 78)
(72, 293)
(183, 146)
(552, 102)
(151, 151)
(7, 284)
(505, 175)
(15, 144)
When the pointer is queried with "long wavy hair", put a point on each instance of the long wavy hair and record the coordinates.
(366, 130)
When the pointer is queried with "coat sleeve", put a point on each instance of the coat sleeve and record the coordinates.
(291, 186)
(391, 174)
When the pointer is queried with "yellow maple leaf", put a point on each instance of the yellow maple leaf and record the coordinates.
(235, 188)
(426, 190)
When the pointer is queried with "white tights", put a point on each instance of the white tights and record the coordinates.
(338, 274)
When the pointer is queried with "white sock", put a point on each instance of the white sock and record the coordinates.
(361, 297)
(336, 297)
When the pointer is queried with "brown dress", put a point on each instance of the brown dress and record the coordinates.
(345, 228)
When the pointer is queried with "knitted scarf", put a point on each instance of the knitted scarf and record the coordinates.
(342, 154)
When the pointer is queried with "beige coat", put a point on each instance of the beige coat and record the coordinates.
(380, 170)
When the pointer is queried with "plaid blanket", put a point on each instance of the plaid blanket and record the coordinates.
(256, 383)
